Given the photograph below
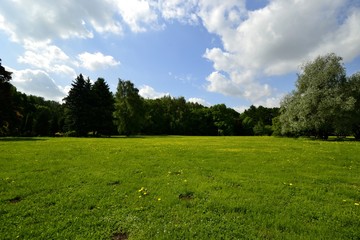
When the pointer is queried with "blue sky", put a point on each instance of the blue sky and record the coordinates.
(237, 52)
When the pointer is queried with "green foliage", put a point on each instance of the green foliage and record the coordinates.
(102, 108)
(171, 116)
(5, 76)
(258, 121)
(179, 188)
(89, 108)
(129, 108)
(8, 116)
(318, 104)
(352, 117)
(276, 126)
(224, 119)
(78, 107)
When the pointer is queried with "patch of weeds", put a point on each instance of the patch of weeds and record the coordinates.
(143, 192)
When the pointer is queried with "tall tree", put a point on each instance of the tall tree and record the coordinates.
(8, 111)
(78, 107)
(103, 108)
(317, 104)
(129, 108)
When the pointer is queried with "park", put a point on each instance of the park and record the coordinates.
(177, 187)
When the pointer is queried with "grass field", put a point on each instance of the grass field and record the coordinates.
(179, 188)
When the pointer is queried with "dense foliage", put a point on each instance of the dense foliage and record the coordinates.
(90, 108)
(325, 101)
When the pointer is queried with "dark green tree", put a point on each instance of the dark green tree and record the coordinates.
(155, 122)
(129, 108)
(102, 108)
(225, 119)
(78, 109)
(9, 114)
(42, 121)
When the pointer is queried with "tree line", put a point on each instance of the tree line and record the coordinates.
(325, 102)
(92, 109)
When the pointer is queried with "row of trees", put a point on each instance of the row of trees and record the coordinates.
(91, 108)
(326, 102)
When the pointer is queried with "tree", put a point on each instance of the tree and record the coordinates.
(224, 119)
(5, 76)
(78, 107)
(129, 108)
(353, 117)
(317, 104)
(42, 121)
(8, 112)
(102, 109)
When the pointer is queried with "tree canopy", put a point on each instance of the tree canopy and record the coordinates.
(321, 102)
(325, 102)
(129, 110)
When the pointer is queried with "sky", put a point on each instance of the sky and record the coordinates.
(236, 52)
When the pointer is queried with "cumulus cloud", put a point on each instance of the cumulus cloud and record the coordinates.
(138, 14)
(199, 101)
(274, 40)
(184, 11)
(96, 61)
(42, 19)
(38, 83)
(256, 44)
(44, 55)
(150, 93)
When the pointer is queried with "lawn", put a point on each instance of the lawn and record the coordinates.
(179, 188)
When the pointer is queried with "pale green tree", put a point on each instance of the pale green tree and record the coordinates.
(317, 105)
(129, 108)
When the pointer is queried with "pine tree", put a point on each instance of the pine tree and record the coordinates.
(102, 109)
(78, 107)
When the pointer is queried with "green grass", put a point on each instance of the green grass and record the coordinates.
(179, 188)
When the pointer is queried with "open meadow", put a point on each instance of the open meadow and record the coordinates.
(179, 188)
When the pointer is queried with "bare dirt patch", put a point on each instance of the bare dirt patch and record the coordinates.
(120, 236)
(15, 200)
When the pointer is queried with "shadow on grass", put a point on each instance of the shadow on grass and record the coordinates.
(331, 139)
(20, 139)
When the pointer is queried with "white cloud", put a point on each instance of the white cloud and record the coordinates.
(270, 41)
(241, 109)
(38, 83)
(43, 19)
(274, 40)
(270, 102)
(199, 101)
(138, 14)
(181, 10)
(44, 55)
(150, 93)
(96, 61)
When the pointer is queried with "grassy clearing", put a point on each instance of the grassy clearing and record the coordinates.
(179, 188)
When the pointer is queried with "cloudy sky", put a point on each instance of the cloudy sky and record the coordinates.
(237, 52)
